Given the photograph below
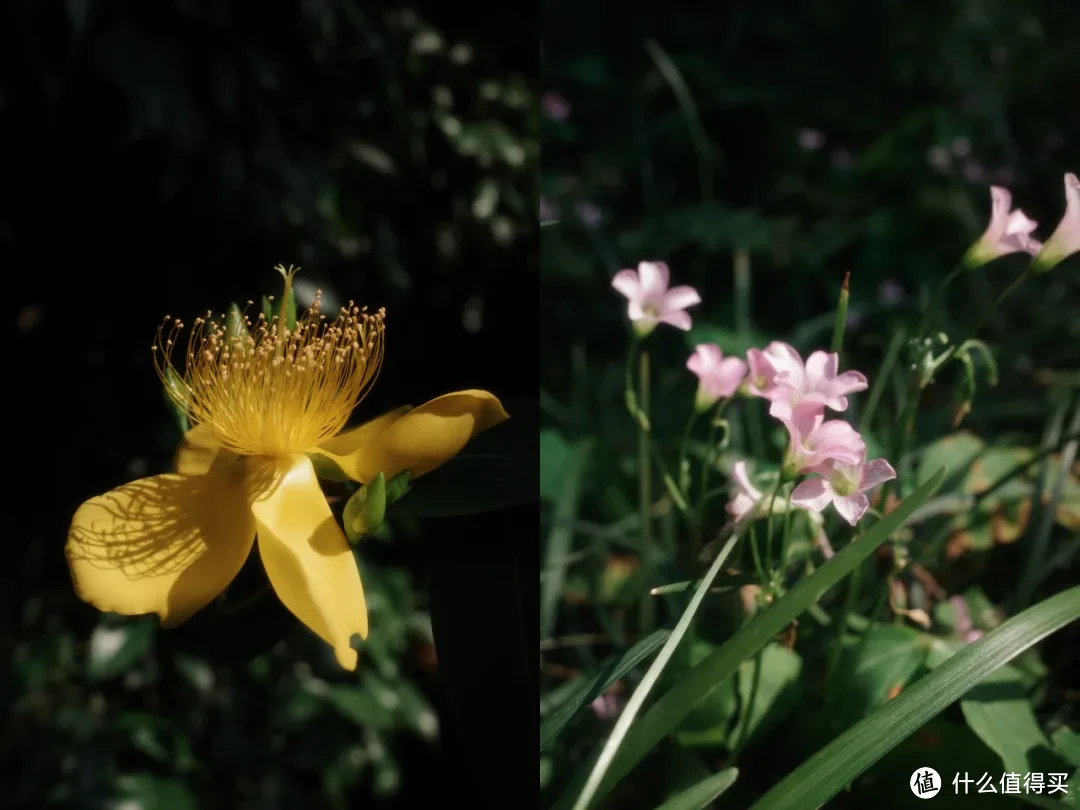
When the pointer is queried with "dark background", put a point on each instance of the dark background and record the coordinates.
(161, 159)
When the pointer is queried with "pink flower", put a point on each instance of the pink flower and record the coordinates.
(745, 495)
(843, 485)
(1007, 232)
(555, 106)
(818, 382)
(718, 376)
(813, 441)
(1065, 240)
(766, 365)
(651, 302)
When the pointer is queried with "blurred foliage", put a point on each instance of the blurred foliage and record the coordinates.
(815, 139)
(162, 158)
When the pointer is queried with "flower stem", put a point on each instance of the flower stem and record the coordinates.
(706, 467)
(645, 552)
(769, 524)
(787, 536)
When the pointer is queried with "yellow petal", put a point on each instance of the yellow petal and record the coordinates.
(421, 439)
(306, 556)
(345, 448)
(197, 451)
(167, 544)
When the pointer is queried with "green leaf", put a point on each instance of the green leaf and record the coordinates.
(397, 486)
(593, 785)
(267, 310)
(1067, 744)
(699, 682)
(115, 647)
(586, 689)
(362, 706)
(777, 692)
(833, 767)
(954, 453)
(365, 509)
(498, 469)
(235, 326)
(151, 792)
(874, 666)
(562, 534)
(704, 793)
(998, 711)
(554, 453)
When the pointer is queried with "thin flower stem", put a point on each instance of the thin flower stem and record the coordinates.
(683, 469)
(646, 550)
(881, 379)
(936, 297)
(706, 467)
(769, 525)
(787, 536)
(759, 568)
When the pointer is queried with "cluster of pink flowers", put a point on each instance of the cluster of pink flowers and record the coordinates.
(798, 392)
(1011, 231)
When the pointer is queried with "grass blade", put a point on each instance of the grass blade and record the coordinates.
(588, 689)
(704, 793)
(826, 773)
(637, 700)
(562, 535)
(707, 676)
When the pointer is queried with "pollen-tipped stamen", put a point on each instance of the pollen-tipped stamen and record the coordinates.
(275, 391)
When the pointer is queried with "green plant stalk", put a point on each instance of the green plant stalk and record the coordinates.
(881, 379)
(769, 525)
(786, 544)
(987, 315)
(748, 711)
(936, 297)
(652, 675)
(759, 567)
(742, 292)
(706, 467)
(707, 676)
(833, 767)
(646, 551)
(900, 440)
(837, 344)
(1036, 561)
(684, 477)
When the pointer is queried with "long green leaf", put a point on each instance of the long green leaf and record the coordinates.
(585, 690)
(826, 773)
(707, 676)
(704, 793)
(652, 675)
(561, 537)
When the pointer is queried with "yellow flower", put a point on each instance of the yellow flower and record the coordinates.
(262, 403)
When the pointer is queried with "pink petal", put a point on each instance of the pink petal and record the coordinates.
(785, 361)
(627, 283)
(852, 507)
(813, 494)
(741, 478)
(1065, 240)
(876, 472)
(820, 366)
(679, 319)
(728, 375)
(1000, 201)
(680, 298)
(654, 277)
(848, 383)
(740, 505)
(705, 358)
(637, 313)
